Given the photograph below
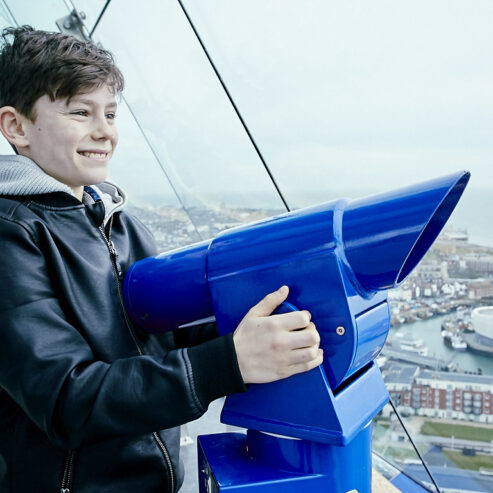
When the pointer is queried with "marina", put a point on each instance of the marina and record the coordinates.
(429, 331)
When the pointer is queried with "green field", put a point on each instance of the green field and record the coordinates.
(480, 433)
(472, 463)
(379, 430)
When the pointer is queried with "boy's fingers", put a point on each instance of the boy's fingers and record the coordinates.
(308, 365)
(268, 304)
(293, 320)
(304, 355)
(304, 338)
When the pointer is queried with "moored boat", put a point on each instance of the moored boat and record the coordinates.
(453, 341)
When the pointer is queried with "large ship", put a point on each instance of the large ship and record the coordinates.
(408, 342)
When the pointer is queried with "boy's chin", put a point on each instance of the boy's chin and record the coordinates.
(97, 178)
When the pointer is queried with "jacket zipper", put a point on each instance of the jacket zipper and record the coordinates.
(119, 275)
(67, 472)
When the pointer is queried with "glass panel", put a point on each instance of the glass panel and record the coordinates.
(5, 146)
(41, 15)
(186, 118)
(350, 98)
(5, 16)
(134, 167)
(374, 97)
(392, 446)
(6, 20)
(344, 100)
(150, 195)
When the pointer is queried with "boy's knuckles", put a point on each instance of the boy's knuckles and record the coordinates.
(314, 337)
(304, 319)
(313, 352)
(276, 343)
(310, 338)
(284, 372)
(304, 355)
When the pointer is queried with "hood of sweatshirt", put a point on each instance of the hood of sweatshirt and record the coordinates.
(20, 176)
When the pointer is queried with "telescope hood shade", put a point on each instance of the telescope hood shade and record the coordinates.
(164, 292)
(385, 236)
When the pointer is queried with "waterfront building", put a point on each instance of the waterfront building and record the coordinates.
(449, 235)
(482, 264)
(432, 270)
(440, 394)
(480, 289)
(482, 322)
(454, 289)
(454, 395)
(399, 380)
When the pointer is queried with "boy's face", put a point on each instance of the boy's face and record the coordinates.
(73, 142)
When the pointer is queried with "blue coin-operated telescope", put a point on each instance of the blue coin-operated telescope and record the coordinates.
(310, 432)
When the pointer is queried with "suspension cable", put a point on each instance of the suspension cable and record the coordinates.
(414, 445)
(9, 13)
(100, 16)
(235, 107)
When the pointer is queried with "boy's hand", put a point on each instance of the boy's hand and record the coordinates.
(270, 348)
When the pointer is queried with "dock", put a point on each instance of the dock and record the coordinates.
(429, 362)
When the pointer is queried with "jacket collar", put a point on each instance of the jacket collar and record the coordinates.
(22, 177)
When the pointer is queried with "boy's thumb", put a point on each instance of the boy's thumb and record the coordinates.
(268, 304)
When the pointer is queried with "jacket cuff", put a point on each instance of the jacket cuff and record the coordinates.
(215, 369)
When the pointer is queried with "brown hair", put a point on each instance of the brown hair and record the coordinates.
(34, 63)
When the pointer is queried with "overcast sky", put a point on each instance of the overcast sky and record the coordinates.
(336, 93)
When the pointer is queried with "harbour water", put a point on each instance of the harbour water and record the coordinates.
(429, 331)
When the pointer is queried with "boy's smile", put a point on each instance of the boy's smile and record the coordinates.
(73, 141)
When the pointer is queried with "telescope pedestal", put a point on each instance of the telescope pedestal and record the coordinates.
(267, 463)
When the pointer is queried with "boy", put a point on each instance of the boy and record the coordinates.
(83, 394)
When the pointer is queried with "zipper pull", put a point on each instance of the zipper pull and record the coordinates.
(112, 248)
(114, 253)
(64, 490)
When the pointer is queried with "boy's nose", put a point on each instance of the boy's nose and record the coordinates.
(103, 130)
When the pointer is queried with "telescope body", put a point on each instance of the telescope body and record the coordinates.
(339, 259)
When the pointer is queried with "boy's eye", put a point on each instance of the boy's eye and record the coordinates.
(80, 112)
(111, 116)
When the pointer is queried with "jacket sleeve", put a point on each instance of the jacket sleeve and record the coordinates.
(195, 334)
(49, 369)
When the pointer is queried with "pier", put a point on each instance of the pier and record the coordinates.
(431, 363)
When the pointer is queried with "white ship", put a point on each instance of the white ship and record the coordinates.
(454, 341)
(409, 342)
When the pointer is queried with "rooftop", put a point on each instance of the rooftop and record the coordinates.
(456, 377)
(403, 374)
(484, 310)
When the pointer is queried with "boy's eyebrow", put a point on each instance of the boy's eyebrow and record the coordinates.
(90, 102)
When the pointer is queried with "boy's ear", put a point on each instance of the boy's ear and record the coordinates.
(12, 127)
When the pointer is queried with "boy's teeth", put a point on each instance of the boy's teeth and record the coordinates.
(94, 155)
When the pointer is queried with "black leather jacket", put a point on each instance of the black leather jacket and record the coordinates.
(82, 392)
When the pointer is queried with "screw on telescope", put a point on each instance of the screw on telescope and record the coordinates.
(340, 331)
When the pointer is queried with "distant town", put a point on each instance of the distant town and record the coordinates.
(172, 227)
(453, 274)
